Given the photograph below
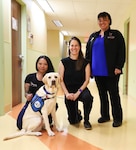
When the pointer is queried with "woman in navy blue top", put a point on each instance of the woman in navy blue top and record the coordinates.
(75, 75)
(106, 51)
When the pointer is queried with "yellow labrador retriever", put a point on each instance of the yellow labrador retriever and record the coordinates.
(36, 115)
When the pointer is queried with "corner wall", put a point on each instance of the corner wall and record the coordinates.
(5, 57)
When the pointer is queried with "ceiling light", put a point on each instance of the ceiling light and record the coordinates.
(64, 33)
(44, 4)
(57, 23)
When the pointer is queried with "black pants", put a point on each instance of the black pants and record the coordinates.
(109, 85)
(72, 107)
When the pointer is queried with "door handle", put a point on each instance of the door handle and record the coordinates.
(21, 57)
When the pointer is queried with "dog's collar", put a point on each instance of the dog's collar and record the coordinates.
(47, 91)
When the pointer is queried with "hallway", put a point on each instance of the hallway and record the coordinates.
(101, 137)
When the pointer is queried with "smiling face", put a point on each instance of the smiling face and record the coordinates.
(104, 23)
(42, 65)
(74, 48)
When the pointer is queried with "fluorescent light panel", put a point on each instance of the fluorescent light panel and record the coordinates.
(45, 5)
(57, 23)
(64, 33)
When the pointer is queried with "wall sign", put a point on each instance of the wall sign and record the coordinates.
(14, 24)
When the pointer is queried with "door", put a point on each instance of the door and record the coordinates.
(126, 67)
(16, 51)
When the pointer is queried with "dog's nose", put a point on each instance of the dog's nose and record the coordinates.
(53, 82)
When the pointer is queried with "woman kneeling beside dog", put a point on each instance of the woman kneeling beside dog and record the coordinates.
(33, 82)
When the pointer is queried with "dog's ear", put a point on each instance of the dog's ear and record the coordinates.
(44, 80)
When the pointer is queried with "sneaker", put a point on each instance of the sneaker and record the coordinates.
(102, 120)
(87, 125)
(116, 124)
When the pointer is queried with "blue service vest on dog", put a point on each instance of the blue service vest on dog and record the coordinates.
(37, 103)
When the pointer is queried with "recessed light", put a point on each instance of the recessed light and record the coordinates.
(57, 23)
(44, 4)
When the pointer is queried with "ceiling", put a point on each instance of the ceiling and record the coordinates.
(79, 17)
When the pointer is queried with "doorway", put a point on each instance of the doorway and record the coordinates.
(126, 68)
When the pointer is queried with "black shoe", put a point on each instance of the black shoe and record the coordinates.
(80, 118)
(87, 125)
(76, 121)
(102, 120)
(79, 115)
(79, 111)
(116, 124)
(76, 124)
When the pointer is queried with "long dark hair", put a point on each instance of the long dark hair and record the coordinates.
(80, 59)
(50, 65)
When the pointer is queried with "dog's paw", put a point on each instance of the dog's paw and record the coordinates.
(38, 133)
(51, 133)
(59, 129)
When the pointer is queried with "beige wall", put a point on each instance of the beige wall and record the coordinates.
(54, 47)
(5, 56)
(132, 53)
(36, 26)
(1, 61)
(130, 15)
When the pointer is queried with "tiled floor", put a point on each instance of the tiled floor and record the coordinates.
(101, 137)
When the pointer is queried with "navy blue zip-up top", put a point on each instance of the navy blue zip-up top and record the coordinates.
(114, 49)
